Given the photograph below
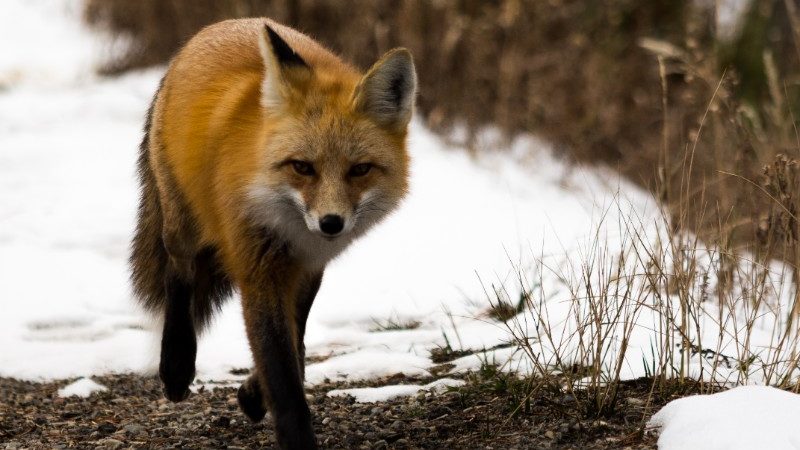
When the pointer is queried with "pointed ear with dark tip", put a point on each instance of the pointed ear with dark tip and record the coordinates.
(282, 66)
(386, 93)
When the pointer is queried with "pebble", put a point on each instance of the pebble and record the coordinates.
(222, 421)
(106, 428)
(326, 420)
(633, 401)
(110, 444)
(133, 429)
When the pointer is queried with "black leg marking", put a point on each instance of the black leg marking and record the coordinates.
(178, 341)
(285, 387)
(304, 303)
(211, 287)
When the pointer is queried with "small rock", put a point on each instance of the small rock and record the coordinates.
(633, 401)
(381, 445)
(550, 434)
(326, 420)
(370, 436)
(106, 428)
(110, 444)
(397, 424)
(222, 421)
(133, 429)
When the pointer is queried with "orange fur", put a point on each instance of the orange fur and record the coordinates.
(214, 133)
(264, 156)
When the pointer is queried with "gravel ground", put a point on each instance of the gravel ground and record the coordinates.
(133, 414)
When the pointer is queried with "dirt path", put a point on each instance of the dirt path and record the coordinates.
(133, 414)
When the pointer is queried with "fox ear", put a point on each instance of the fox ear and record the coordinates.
(387, 91)
(282, 66)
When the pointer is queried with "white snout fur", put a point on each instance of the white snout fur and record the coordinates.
(283, 210)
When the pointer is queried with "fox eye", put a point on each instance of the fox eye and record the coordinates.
(359, 170)
(303, 168)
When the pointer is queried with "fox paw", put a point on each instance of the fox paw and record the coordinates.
(176, 377)
(251, 400)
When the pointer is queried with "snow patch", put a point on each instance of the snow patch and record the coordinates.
(743, 418)
(367, 364)
(384, 393)
(83, 387)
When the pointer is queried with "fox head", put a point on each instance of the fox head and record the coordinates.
(334, 158)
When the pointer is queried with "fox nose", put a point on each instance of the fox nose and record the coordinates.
(331, 224)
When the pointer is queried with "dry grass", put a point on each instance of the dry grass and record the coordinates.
(654, 304)
(714, 315)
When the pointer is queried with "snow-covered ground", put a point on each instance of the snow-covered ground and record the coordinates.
(68, 144)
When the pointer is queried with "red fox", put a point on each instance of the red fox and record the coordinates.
(264, 156)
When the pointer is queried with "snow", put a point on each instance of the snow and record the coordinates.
(743, 418)
(43, 42)
(383, 393)
(83, 387)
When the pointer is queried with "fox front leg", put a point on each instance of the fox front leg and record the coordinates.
(308, 293)
(253, 399)
(269, 319)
